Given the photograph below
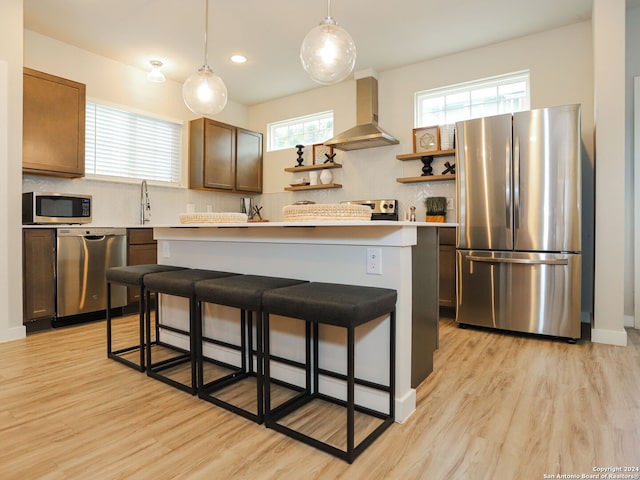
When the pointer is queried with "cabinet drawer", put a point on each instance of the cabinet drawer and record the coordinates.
(139, 236)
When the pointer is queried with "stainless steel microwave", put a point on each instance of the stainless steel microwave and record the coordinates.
(46, 207)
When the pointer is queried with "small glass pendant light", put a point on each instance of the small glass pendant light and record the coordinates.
(328, 53)
(155, 75)
(204, 92)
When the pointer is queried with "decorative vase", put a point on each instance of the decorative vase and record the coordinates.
(326, 176)
(313, 178)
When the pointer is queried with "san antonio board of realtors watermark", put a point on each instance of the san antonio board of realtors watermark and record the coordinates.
(600, 473)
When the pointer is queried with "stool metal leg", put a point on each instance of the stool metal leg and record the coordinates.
(350, 392)
(142, 309)
(109, 345)
(266, 366)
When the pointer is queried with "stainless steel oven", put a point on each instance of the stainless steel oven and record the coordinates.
(380, 209)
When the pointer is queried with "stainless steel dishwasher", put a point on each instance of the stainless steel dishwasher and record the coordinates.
(83, 257)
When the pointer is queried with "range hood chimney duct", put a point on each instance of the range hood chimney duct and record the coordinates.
(367, 133)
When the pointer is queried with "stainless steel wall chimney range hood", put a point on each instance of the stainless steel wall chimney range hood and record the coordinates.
(367, 133)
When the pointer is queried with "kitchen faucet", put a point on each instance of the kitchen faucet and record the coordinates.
(145, 204)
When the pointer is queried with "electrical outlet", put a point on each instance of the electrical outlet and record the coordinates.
(374, 261)
(165, 250)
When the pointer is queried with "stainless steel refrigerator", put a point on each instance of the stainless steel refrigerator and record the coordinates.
(519, 222)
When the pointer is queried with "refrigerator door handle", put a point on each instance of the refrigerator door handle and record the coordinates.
(508, 206)
(516, 183)
(526, 261)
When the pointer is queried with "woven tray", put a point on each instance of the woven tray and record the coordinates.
(213, 217)
(326, 212)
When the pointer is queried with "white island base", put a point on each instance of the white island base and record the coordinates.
(334, 252)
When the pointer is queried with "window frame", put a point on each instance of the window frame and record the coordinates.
(496, 81)
(178, 174)
(272, 128)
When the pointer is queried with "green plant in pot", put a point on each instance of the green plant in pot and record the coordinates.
(436, 209)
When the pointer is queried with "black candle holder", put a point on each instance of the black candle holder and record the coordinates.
(300, 151)
(427, 169)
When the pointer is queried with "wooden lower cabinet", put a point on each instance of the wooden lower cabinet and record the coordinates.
(141, 249)
(38, 275)
(447, 278)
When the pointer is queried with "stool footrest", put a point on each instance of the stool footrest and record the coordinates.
(289, 406)
(170, 362)
(129, 363)
(357, 381)
(221, 343)
(225, 381)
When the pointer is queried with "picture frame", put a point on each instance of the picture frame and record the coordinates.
(319, 151)
(426, 139)
(447, 134)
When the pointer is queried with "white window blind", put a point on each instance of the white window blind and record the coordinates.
(490, 96)
(121, 143)
(306, 130)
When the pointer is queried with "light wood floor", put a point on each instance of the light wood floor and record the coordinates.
(497, 406)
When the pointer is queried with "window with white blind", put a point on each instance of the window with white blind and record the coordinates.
(124, 144)
(481, 98)
(305, 130)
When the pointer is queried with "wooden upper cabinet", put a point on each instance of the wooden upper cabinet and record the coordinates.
(53, 125)
(219, 149)
(223, 157)
(248, 161)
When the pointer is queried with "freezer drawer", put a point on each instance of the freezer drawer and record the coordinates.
(519, 291)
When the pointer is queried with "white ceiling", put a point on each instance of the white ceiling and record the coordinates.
(387, 34)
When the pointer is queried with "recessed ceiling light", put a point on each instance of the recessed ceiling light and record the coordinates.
(238, 58)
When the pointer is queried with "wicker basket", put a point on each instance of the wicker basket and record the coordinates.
(213, 217)
(327, 212)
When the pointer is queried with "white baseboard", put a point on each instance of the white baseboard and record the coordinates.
(13, 333)
(629, 321)
(610, 337)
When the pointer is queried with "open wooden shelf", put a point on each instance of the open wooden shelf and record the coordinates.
(320, 186)
(306, 168)
(426, 178)
(418, 155)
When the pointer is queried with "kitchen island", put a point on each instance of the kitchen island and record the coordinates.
(402, 256)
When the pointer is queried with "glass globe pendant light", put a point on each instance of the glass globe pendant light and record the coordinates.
(328, 53)
(204, 92)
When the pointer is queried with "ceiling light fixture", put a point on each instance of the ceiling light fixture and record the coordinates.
(204, 92)
(155, 75)
(238, 58)
(328, 53)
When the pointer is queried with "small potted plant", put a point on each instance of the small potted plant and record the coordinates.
(436, 209)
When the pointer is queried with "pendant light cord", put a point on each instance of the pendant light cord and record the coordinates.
(206, 29)
(329, 9)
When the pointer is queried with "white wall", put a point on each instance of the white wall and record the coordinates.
(10, 170)
(609, 90)
(117, 84)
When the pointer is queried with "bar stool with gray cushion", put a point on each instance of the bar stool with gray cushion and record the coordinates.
(230, 381)
(170, 368)
(346, 306)
(131, 276)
